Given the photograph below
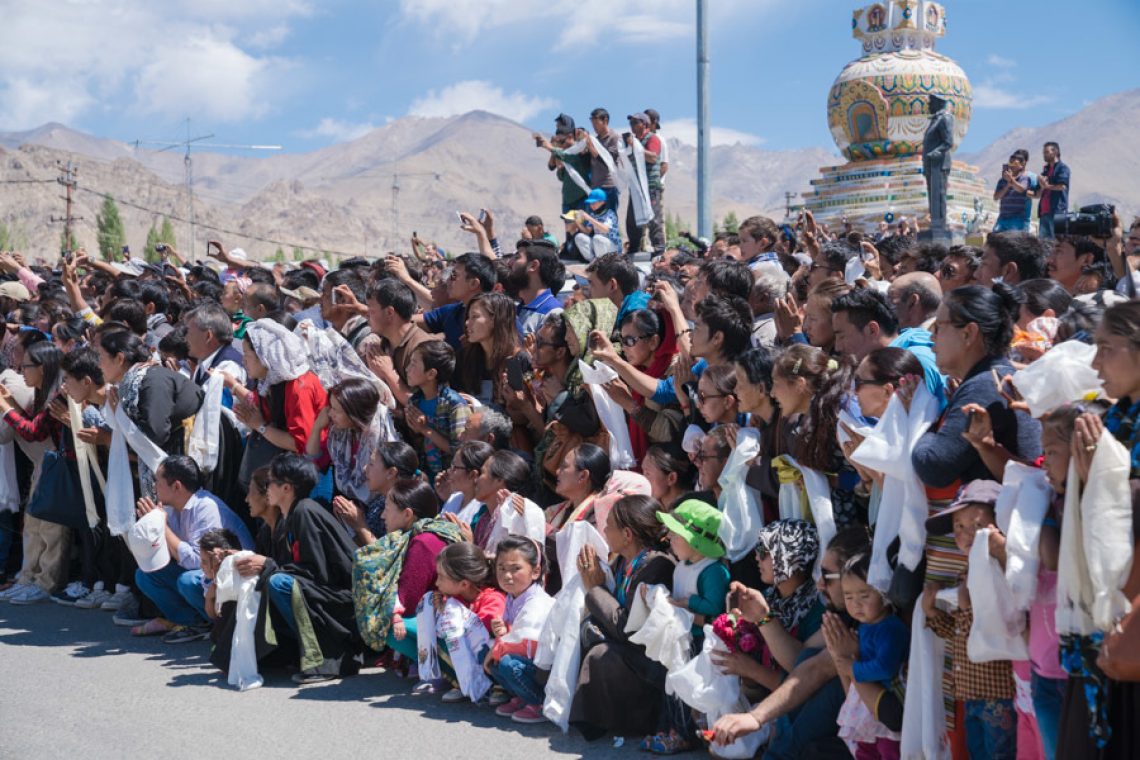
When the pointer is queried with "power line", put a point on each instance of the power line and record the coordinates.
(244, 235)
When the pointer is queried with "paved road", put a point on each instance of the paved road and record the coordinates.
(72, 685)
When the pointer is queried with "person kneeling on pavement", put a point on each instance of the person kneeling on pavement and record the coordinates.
(165, 542)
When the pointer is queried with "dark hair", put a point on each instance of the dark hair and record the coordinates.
(1041, 294)
(295, 470)
(440, 356)
(70, 328)
(154, 293)
(759, 227)
(1083, 245)
(596, 461)
(478, 267)
(1055, 147)
(259, 479)
(401, 456)
(672, 459)
(501, 310)
(123, 287)
(928, 257)
(471, 455)
(392, 292)
(47, 357)
(83, 364)
(218, 538)
(358, 398)
(551, 271)
(893, 247)
(644, 321)
(638, 514)
(731, 317)
(261, 276)
(512, 469)
(972, 255)
(1025, 250)
(1061, 422)
(265, 295)
(994, 311)
(723, 378)
(303, 277)
(121, 341)
(727, 277)
(211, 318)
(600, 113)
(348, 277)
(618, 267)
(526, 547)
(465, 562)
(130, 312)
(836, 255)
(415, 495)
(889, 364)
(850, 542)
(1078, 322)
(1020, 153)
(864, 305)
(815, 445)
(858, 566)
(209, 290)
(179, 468)
(757, 365)
(175, 344)
(534, 220)
(1123, 319)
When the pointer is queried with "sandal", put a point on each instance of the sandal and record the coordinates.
(153, 627)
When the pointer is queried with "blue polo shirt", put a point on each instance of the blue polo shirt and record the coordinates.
(450, 320)
(531, 315)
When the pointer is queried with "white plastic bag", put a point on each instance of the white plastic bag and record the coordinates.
(1064, 374)
(610, 414)
(742, 515)
(998, 629)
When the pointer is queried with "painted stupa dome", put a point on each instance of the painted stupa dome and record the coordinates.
(877, 107)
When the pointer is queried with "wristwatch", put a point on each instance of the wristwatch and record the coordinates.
(262, 428)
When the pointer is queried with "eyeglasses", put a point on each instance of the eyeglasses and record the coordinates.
(629, 341)
(860, 382)
(700, 456)
(702, 397)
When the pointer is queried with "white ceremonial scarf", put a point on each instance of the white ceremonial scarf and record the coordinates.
(120, 493)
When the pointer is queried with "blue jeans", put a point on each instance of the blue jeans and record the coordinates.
(991, 729)
(1045, 226)
(177, 593)
(1048, 694)
(280, 588)
(516, 674)
(810, 722)
(1012, 224)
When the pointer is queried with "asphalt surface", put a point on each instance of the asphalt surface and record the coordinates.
(74, 685)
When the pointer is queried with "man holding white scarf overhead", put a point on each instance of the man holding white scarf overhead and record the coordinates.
(603, 150)
(644, 172)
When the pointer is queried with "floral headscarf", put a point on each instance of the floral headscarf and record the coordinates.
(282, 352)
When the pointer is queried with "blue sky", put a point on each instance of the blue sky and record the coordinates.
(307, 73)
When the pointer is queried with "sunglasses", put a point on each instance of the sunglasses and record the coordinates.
(860, 382)
(549, 344)
(702, 397)
(629, 341)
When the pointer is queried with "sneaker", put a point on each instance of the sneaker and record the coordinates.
(498, 696)
(308, 678)
(507, 709)
(117, 600)
(129, 615)
(13, 590)
(153, 627)
(455, 695)
(70, 595)
(430, 687)
(31, 595)
(94, 600)
(529, 714)
(186, 633)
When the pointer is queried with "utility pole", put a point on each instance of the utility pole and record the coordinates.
(68, 180)
(704, 188)
(189, 165)
(788, 204)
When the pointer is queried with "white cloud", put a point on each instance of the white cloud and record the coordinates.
(578, 25)
(993, 59)
(685, 130)
(476, 94)
(337, 130)
(989, 94)
(59, 61)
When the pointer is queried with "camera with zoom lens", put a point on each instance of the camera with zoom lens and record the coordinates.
(1091, 221)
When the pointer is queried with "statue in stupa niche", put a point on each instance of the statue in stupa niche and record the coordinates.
(936, 161)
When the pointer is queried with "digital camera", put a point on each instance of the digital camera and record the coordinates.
(1091, 221)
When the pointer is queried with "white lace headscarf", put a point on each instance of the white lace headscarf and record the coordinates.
(282, 352)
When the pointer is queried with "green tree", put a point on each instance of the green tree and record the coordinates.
(279, 255)
(731, 224)
(166, 234)
(110, 234)
(298, 254)
(150, 255)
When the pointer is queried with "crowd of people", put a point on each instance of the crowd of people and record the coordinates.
(791, 491)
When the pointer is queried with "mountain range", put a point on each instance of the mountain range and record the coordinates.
(341, 199)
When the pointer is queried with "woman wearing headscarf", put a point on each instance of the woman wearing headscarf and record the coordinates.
(571, 417)
(786, 552)
(288, 399)
(346, 434)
